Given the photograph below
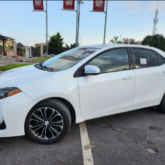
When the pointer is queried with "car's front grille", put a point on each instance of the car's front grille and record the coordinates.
(2, 125)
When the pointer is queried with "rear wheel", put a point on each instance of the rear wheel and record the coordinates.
(48, 122)
(161, 107)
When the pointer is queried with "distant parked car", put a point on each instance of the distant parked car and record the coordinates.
(42, 100)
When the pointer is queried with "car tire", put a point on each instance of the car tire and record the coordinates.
(48, 122)
(161, 107)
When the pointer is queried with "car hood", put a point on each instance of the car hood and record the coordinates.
(21, 75)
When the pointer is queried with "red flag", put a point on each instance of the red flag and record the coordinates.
(98, 5)
(38, 5)
(68, 4)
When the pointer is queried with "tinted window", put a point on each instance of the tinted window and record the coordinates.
(161, 60)
(113, 60)
(145, 58)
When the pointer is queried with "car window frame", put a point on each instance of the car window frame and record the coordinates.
(159, 55)
(79, 72)
(133, 57)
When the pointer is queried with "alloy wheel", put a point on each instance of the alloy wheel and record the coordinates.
(46, 123)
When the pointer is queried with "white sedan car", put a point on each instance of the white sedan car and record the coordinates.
(84, 83)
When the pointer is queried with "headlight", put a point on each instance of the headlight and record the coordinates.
(6, 92)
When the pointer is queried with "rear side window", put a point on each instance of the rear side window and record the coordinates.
(145, 58)
(161, 60)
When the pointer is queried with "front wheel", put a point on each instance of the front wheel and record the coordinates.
(48, 122)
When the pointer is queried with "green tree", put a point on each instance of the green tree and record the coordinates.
(67, 47)
(147, 40)
(157, 41)
(55, 44)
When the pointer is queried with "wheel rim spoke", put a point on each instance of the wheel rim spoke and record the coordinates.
(37, 128)
(45, 113)
(54, 117)
(46, 132)
(36, 116)
(51, 115)
(51, 132)
(37, 125)
(56, 125)
(35, 120)
(57, 122)
(42, 132)
(54, 130)
(41, 114)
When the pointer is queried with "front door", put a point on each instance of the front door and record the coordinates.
(112, 90)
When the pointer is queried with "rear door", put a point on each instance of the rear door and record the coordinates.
(150, 77)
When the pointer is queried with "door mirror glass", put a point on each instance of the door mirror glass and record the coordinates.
(91, 70)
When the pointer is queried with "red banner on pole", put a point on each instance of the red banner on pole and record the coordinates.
(38, 5)
(68, 4)
(98, 5)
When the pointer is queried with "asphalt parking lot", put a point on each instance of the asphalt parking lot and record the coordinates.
(132, 138)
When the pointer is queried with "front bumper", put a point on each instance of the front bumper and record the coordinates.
(13, 112)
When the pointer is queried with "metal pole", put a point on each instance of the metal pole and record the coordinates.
(105, 22)
(46, 29)
(3, 46)
(77, 23)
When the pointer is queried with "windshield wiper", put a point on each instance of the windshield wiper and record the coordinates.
(47, 68)
(40, 66)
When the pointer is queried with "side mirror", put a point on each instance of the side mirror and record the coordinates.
(91, 70)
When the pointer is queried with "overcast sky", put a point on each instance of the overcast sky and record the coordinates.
(132, 19)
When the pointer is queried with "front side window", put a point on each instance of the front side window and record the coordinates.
(69, 58)
(112, 60)
(145, 58)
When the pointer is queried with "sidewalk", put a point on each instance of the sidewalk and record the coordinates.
(7, 61)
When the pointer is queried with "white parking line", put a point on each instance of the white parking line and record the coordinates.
(86, 147)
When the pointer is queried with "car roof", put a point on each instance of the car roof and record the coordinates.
(109, 46)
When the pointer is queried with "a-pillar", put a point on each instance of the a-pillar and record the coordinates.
(15, 49)
(41, 50)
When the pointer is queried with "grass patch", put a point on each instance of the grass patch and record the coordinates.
(12, 66)
(40, 59)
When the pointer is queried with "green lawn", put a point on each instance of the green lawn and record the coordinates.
(12, 66)
(40, 59)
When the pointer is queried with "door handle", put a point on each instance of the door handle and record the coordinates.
(128, 77)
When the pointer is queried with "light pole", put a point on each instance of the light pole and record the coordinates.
(46, 11)
(46, 29)
(77, 20)
(105, 25)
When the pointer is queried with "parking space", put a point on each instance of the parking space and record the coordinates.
(130, 138)
(125, 139)
(21, 151)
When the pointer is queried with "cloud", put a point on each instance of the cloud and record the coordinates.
(133, 6)
(154, 4)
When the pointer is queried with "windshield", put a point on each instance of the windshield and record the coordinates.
(69, 58)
